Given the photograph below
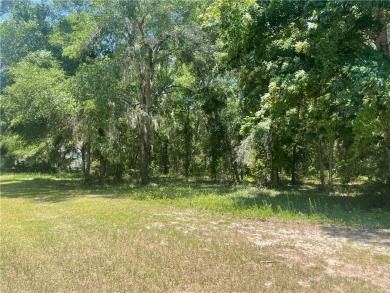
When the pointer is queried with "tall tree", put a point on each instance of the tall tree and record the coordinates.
(37, 108)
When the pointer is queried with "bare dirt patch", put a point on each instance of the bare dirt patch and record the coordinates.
(337, 251)
(341, 251)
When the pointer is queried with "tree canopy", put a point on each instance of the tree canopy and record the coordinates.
(271, 90)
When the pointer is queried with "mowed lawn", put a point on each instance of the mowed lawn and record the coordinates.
(60, 236)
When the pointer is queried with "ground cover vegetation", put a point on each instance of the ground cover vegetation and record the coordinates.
(229, 90)
(170, 130)
(59, 234)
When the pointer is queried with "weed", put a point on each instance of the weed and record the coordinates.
(382, 258)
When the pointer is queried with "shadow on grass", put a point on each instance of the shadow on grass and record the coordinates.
(48, 188)
(169, 189)
(380, 238)
(365, 205)
(313, 201)
(39, 189)
(56, 190)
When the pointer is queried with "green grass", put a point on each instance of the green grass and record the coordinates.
(364, 206)
(58, 235)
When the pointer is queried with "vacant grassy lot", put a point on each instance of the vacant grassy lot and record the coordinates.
(58, 235)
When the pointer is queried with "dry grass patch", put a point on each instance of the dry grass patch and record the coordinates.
(98, 243)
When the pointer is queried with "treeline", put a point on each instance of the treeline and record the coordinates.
(225, 89)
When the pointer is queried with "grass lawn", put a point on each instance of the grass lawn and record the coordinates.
(58, 235)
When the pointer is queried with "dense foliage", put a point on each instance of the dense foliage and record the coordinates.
(228, 89)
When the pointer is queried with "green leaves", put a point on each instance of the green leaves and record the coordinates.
(24, 31)
(38, 92)
(307, 82)
(75, 35)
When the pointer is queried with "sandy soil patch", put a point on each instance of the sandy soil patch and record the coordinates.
(338, 251)
(349, 252)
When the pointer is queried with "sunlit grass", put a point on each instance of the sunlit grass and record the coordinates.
(342, 205)
(58, 235)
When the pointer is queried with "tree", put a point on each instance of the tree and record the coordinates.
(99, 93)
(293, 58)
(37, 107)
(143, 36)
(24, 30)
(280, 89)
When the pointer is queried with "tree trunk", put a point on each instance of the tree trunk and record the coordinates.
(388, 166)
(275, 176)
(268, 156)
(187, 144)
(118, 161)
(321, 163)
(295, 146)
(213, 168)
(381, 39)
(387, 143)
(118, 171)
(145, 79)
(102, 167)
(86, 159)
(273, 170)
(293, 165)
(118, 168)
(166, 157)
(331, 146)
(144, 65)
(144, 145)
(83, 159)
